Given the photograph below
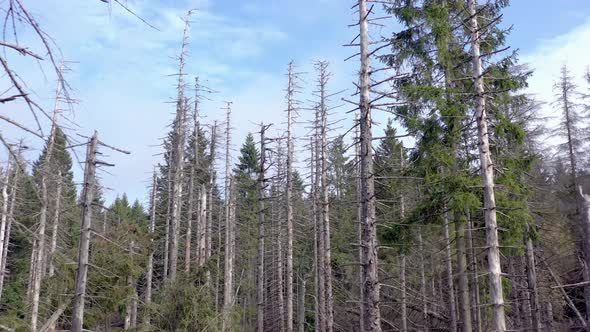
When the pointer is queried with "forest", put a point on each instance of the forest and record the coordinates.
(467, 210)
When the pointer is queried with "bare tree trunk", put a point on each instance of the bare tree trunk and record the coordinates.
(39, 254)
(532, 282)
(84, 246)
(289, 194)
(318, 287)
(261, 233)
(150, 269)
(177, 190)
(487, 173)
(209, 226)
(167, 227)
(189, 222)
(202, 229)
(463, 282)
(549, 315)
(55, 225)
(178, 160)
(584, 209)
(10, 215)
(423, 281)
(325, 195)
(301, 305)
(519, 322)
(359, 217)
(131, 290)
(450, 281)
(474, 284)
(4, 214)
(228, 288)
(404, 304)
(320, 229)
(370, 264)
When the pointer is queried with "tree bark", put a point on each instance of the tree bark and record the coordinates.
(463, 282)
(301, 305)
(55, 226)
(150, 268)
(450, 280)
(487, 174)
(532, 282)
(228, 288)
(10, 215)
(261, 233)
(177, 189)
(325, 196)
(84, 246)
(370, 264)
(474, 284)
(289, 197)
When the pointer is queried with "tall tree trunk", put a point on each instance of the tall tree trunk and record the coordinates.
(150, 268)
(404, 299)
(5, 208)
(209, 227)
(318, 282)
(177, 174)
(10, 215)
(463, 282)
(325, 195)
(228, 288)
(487, 174)
(39, 254)
(450, 280)
(370, 264)
(289, 194)
(423, 298)
(55, 226)
(359, 217)
(189, 222)
(473, 282)
(532, 282)
(261, 233)
(85, 229)
(584, 207)
(130, 297)
(301, 304)
(178, 160)
(320, 239)
(168, 218)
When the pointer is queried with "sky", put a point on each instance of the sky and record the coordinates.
(122, 71)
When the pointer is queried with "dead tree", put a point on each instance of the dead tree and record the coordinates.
(88, 193)
(194, 168)
(487, 174)
(10, 217)
(209, 226)
(261, 232)
(178, 160)
(369, 224)
(228, 287)
(150, 268)
(324, 76)
(55, 225)
(289, 194)
(449, 270)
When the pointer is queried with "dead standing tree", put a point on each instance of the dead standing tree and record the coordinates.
(368, 221)
(228, 285)
(178, 157)
(487, 174)
(260, 287)
(88, 194)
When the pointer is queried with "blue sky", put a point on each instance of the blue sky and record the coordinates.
(121, 68)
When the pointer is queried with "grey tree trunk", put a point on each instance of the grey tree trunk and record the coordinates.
(4, 214)
(261, 233)
(318, 302)
(39, 254)
(325, 195)
(178, 160)
(423, 298)
(532, 282)
(462, 278)
(473, 282)
(320, 238)
(85, 229)
(55, 225)
(289, 197)
(370, 263)
(228, 287)
(584, 209)
(301, 304)
(450, 280)
(404, 299)
(150, 265)
(5, 247)
(209, 226)
(487, 174)
(359, 212)
(167, 227)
